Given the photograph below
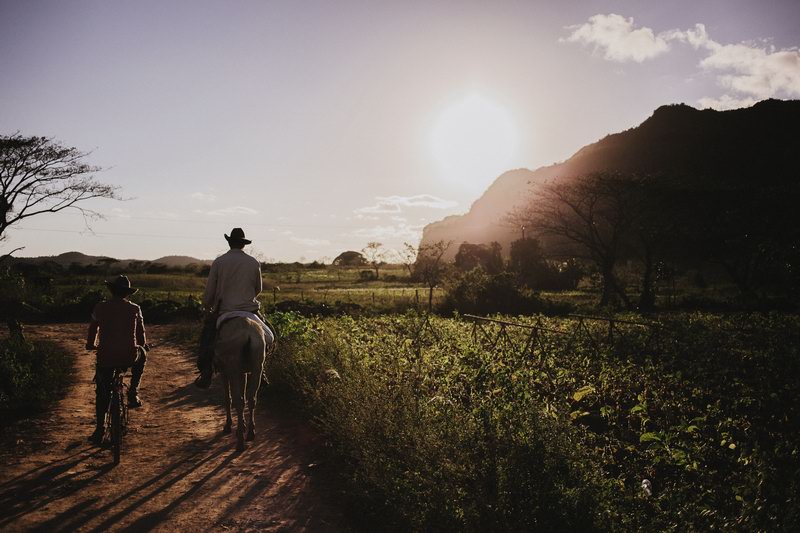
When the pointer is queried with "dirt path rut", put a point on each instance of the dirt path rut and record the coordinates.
(178, 472)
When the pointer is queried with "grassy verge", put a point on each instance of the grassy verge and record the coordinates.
(33, 374)
(441, 432)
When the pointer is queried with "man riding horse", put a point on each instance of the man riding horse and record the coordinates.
(233, 286)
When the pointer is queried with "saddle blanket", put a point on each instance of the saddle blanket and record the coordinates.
(270, 337)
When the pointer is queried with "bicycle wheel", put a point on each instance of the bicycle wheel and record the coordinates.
(116, 426)
(124, 405)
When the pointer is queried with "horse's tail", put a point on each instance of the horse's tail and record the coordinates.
(243, 354)
(254, 348)
(241, 340)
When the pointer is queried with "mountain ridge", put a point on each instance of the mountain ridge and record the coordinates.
(68, 258)
(755, 145)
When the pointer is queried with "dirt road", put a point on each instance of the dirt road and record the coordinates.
(178, 471)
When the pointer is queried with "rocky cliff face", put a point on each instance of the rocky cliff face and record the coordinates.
(759, 144)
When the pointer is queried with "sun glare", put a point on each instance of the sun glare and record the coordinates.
(474, 140)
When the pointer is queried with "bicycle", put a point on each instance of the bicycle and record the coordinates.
(117, 414)
(116, 421)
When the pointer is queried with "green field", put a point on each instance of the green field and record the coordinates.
(437, 425)
(392, 291)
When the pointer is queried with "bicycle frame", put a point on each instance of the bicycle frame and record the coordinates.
(117, 414)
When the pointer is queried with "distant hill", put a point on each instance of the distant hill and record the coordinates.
(65, 259)
(69, 258)
(717, 148)
(180, 260)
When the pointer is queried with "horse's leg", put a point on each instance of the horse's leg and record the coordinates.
(226, 399)
(237, 391)
(253, 382)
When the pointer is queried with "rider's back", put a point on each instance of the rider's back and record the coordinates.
(117, 320)
(234, 282)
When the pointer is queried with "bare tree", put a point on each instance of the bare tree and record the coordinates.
(430, 266)
(593, 216)
(374, 255)
(39, 175)
(407, 255)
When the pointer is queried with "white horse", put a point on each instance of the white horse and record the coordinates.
(239, 355)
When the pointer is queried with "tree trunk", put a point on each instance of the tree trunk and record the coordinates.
(612, 294)
(742, 279)
(430, 299)
(647, 299)
(607, 296)
(15, 329)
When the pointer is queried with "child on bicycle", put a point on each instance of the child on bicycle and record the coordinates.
(122, 345)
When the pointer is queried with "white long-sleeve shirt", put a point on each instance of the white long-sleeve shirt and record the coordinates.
(234, 282)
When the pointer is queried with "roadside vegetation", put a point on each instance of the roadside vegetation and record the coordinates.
(33, 374)
(432, 429)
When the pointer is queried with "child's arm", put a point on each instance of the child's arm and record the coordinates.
(141, 338)
(91, 337)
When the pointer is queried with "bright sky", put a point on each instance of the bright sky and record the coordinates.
(320, 126)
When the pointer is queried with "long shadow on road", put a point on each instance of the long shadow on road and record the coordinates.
(157, 487)
(180, 473)
(45, 484)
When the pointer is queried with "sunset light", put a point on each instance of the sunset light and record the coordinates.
(473, 141)
(318, 267)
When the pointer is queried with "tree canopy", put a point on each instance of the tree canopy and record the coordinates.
(350, 258)
(40, 175)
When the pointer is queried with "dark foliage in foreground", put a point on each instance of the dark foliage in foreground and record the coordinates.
(441, 432)
(32, 375)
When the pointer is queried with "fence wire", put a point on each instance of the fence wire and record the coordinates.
(539, 339)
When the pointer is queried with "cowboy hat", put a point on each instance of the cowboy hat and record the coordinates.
(121, 285)
(237, 237)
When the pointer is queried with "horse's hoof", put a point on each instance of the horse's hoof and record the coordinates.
(240, 446)
(227, 429)
(251, 435)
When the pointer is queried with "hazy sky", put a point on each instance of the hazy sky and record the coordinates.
(320, 126)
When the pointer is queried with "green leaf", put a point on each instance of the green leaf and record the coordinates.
(679, 457)
(650, 437)
(582, 392)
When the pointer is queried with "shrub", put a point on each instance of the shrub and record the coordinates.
(366, 275)
(477, 292)
(32, 374)
(165, 311)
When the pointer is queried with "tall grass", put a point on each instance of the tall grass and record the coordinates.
(444, 433)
